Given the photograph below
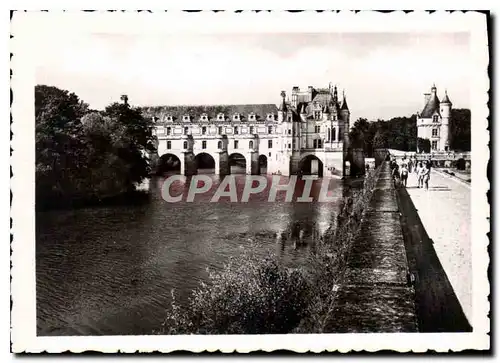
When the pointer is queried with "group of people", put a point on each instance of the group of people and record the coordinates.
(422, 169)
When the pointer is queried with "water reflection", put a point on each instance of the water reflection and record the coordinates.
(110, 270)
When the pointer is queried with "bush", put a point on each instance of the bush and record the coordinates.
(249, 296)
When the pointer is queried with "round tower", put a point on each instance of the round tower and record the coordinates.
(445, 110)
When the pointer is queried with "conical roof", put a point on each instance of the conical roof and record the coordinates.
(431, 107)
(344, 104)
(446, 99)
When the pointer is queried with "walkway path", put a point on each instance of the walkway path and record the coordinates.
(375, 295)
(446, 215)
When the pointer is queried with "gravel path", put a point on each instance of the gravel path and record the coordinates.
(446, 215)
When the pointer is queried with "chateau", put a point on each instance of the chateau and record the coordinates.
(305, 135)
(433, 122)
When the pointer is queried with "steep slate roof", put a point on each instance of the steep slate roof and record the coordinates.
(446, 99)
(261, 111)
(431, 107)
(323, 98)
(344, 104)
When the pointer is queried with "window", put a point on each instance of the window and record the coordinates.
(317, 129)
(289, 146)
(186, 129)
(185, 118)
(236, 131)
(317, 115)
(320, 142)
(289, 131)
(219, 145)
(328, 134)
(294, 143)
(204, 144)
(168, 130)
(250, 144)
(235, 144)
(269, 154)
(270, 117)
(220, 130)
(434, 145)
(315, 144)
(334, 134)
(269, 144)
(203, 130)
(434, 132)
(269, 129)
(204, 117)
(251, 129)
(289, 118)
(220, 117)
(169, 144)
(435, 118)
(251, 117)
(169, 118)
(185, 144)
(236, 117)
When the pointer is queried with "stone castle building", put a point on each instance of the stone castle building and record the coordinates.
(433, 123)
(305, 135)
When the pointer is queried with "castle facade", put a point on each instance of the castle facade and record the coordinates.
(305, 135)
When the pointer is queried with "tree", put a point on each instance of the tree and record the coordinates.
(58, 149)
(380, 140)
(424, 145)
(460, 129)
(359, 133)
(137, 140)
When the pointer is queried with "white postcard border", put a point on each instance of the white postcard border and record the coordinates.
(27, 28)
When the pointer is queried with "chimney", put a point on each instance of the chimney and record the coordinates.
(310, 91)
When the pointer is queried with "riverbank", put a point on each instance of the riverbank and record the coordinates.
(133, 197)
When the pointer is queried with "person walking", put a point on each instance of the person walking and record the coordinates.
(395, 174)
(404, 175)
(426, 176)
(420, 175)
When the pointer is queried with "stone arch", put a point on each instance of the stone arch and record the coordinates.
(311, 165)
(461, 164)
(237, 163)
(263, 164)
(205, 163)
(169, 163)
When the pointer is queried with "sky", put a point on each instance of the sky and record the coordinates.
(384, 75)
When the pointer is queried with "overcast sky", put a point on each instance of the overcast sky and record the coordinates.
(384, 75)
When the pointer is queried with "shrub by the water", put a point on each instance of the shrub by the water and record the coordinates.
(249, 296)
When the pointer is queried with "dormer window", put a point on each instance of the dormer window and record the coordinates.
(317, 115)
(236, 117)
(168, 118)
(270, 117)
(435, 118)
(220, 117)
(204, 117)
(251, 117)
(186, 118)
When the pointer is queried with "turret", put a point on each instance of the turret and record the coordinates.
(445, 110)
(282, 111)
(344, 116)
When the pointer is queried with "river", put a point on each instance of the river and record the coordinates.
(110, 270)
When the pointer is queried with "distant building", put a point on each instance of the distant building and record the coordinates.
(433, 122)
(306, 135)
